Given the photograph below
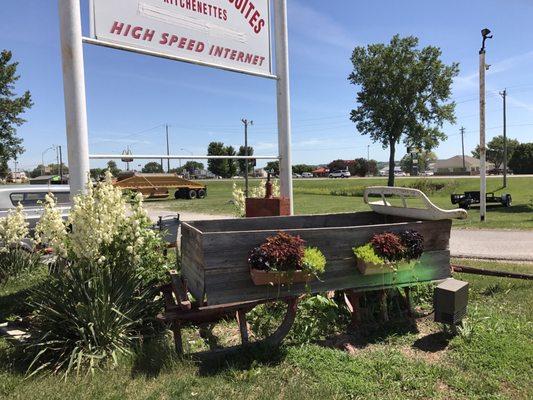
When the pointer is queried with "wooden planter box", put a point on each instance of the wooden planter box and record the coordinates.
(260, 278)
(215, 254)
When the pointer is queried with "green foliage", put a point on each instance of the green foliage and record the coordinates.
(424, 159)
(223, 168)
(314, 261)
(192, 166)
(522, 160)
(301, 168)
(272, 167)
(368, 254)
(11, 107)
(429, 187)
(152, 168)
(495, 150)
(362, 167)
(87, 317)
(112, 167)
(16, 261)
(337, 165)
(242, 163)
(404, 91)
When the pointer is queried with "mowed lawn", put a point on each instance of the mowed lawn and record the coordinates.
(491, 358)
(320, 196)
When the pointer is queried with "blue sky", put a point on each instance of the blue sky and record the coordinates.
(130, 97)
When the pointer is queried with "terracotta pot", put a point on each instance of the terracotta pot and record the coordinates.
(260, 277)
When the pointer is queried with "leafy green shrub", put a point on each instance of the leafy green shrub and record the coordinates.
(368, 254)
(388, 245)
(357, 192)
(428, 186)
(314, 261)
(88, 317)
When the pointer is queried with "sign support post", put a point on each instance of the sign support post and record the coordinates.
(74, 92)
(283, 100)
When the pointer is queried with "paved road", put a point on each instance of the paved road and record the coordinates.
(492, 244)
(473, 243)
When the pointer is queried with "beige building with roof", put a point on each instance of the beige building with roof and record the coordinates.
(454, 166)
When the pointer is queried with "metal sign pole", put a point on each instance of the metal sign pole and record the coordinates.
(74, 92)
(482, 145)
(283, 100)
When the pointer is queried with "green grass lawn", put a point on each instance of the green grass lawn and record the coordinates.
(491, 358)
(312, 196)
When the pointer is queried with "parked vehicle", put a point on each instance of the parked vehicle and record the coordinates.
(343, 173)
(296, 175)
(31, 198)
(159, 185)
(307, 175)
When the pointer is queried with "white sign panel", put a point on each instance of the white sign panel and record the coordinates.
(232, 34)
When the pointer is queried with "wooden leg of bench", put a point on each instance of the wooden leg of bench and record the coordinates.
(408, 304)
(384, 309)
(176, 331)
(243, 325)
(351, 299)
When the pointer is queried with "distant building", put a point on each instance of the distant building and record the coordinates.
(17, 177)
(260, 173)
(454, 166)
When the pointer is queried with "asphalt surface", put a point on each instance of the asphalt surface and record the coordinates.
(492, 244)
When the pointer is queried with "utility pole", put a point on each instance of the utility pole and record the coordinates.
(368, 152)
(504, 95)
(482, 146)
(60, 164)
(246, 123)
(463, 146)
(168, 150)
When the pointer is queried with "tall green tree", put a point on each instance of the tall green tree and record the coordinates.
(272, 167)
(522, 160)
(232, 164)
(112, 167)
(495, 150)
(403, 91)
(217, 167)
(301, 168)
(11, 107)
(152, 167)
(242, 163)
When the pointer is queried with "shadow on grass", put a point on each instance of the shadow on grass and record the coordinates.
(434, 342)
(159, 355)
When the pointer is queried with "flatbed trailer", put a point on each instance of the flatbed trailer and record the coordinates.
(159, 185)
(466, 199)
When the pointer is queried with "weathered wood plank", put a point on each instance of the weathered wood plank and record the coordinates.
(192, 263)
(237, 285)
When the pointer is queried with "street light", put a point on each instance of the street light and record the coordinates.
(53, 147)
(485, 33)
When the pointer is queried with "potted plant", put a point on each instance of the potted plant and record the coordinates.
(389, 252)
(283, 259)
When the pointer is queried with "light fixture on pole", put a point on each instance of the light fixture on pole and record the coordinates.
(246, 123)
(485, 33)
(53, 147)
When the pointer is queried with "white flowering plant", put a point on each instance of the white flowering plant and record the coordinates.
(13, 229)
(259, 191)
(102, 228)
